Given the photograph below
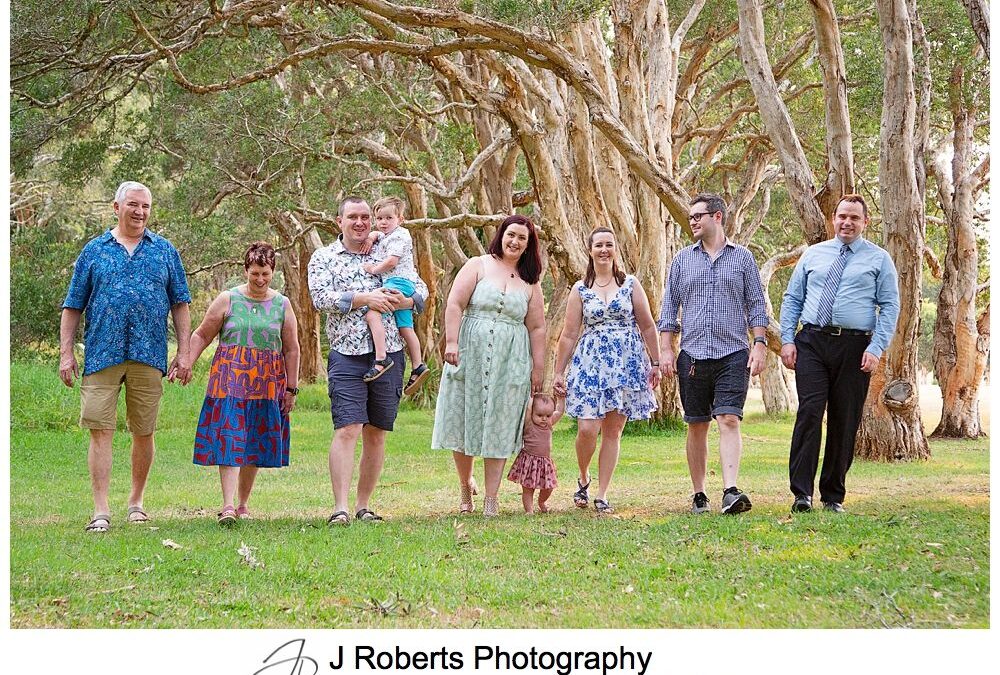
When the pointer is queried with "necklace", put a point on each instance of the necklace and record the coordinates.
(604, 285)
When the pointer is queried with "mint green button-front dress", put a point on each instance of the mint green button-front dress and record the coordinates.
(481, 402)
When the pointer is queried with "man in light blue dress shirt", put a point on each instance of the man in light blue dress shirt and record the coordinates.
(844, 292)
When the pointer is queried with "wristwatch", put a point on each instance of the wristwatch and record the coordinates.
(760, 340)
(294, 391)
(655, 363)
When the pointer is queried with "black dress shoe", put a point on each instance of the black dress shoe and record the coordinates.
(836, 507)
(802, 504)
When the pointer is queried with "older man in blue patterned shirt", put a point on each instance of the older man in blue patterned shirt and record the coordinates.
(127, 281)
(844, 291)
(717, 285)
(340, 286)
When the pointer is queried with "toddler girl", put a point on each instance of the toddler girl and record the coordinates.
(534, 468)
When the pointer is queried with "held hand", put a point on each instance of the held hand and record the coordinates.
(668, 363)
(380, 300)
(654, 378)
(536, 380)
(559, 385)
(788, 354)
(180, 369)
(869, 362)
(68, 370)
(451, 353)
(287, 403)
(758, 359)
(394, 296)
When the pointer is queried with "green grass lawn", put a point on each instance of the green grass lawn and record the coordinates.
(913, 551)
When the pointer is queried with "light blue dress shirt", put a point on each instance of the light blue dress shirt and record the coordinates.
(868, 284)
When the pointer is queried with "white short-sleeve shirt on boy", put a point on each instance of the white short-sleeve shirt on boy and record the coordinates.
(398, 243)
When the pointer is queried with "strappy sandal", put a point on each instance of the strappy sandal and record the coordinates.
(101, 522)
(417, 377)
(491, 507)
(339, 518)
(374, 373)
(581, 497)
(136, 516)
(227, 516)
(243, 512)
(367, 516)
(602, 506)
(465, 504)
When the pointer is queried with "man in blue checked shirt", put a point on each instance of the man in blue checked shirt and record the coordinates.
(127, 280)
(717, 285)
(844, 292)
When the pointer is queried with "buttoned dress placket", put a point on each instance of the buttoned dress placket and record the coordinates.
(489, 351)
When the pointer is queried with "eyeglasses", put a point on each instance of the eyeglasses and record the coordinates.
(695, 217)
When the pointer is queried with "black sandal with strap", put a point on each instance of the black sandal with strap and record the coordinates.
(339, 518)
(374, 373)
(367, 515)
(602, 506)
(581, 497)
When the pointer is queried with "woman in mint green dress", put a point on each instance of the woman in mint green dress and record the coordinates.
(252, 386)
(494, 349)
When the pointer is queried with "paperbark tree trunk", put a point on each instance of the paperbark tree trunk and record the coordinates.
(891, 429)
(960, 352)
(294, 263)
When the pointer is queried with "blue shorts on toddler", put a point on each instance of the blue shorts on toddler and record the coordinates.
(404, 317)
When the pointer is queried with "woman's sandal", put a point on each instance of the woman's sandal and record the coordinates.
(227, 516)
(339, 518)
(602, 506)
(491, 506)
(581, 498)
(374, 373)
(101, 522)
(465, 504)
(243, 512)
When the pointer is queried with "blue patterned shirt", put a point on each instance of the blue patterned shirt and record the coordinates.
(868, 282)
(126, 300)
(721, 299)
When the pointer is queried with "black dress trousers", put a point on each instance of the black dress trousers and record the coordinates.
(828, 377)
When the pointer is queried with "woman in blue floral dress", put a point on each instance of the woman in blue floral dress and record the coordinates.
(615, 363)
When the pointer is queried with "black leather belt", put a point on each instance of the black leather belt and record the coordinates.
(835, 330)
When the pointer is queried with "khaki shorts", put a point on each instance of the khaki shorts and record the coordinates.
(143, 391)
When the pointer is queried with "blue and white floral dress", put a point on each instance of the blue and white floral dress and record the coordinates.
(610, 366)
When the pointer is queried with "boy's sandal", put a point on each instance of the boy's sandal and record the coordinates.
(367, 515)
(99, 523)
(417, 377)
(581, 497)
(374, 373)
(602, 506)
(227, 516)
(339, 518)
(243, 512)
(137, 516)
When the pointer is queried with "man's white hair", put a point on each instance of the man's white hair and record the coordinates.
(127, 187)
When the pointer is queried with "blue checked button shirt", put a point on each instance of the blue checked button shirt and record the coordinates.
(721, 300)
(126, 300)
(335, 275)
(868, 283)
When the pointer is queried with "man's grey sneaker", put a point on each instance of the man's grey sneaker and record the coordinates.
(836, 507)
(734, 502)
(802, 504)
(699, 503)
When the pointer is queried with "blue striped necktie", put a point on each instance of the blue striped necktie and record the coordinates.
(824, 315)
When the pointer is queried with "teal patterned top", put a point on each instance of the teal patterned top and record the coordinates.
(254, 323)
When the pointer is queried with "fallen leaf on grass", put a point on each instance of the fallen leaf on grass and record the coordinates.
(461, 536)
(787, 519)
(171, 544)
(933, 543)
(59, 602)
(629, 589)
(248, 556)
